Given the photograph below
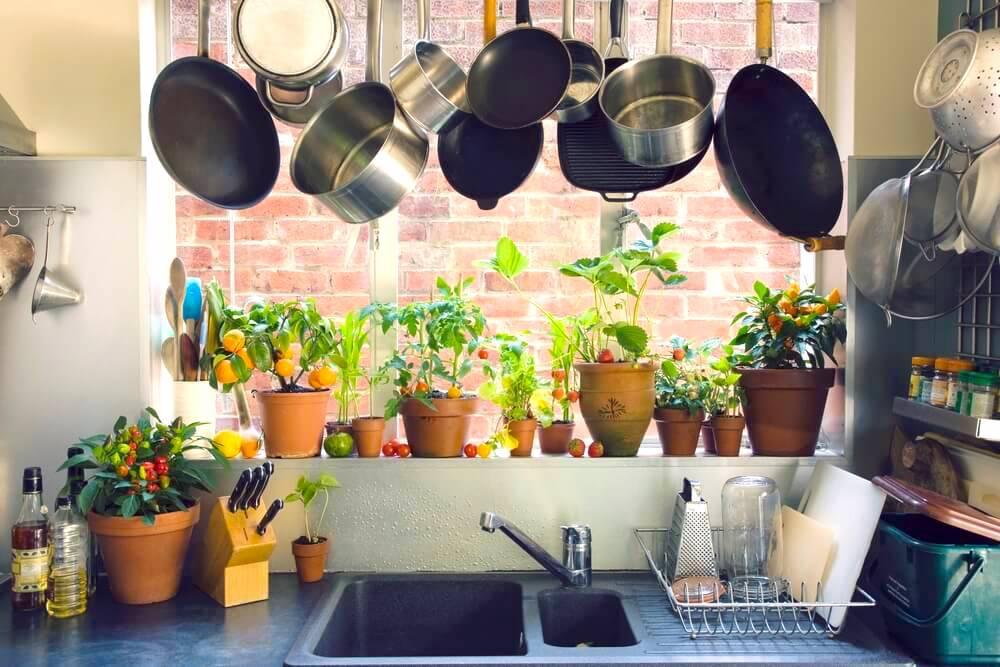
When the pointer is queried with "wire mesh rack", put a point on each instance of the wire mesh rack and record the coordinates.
(759, 611)
(978, 319)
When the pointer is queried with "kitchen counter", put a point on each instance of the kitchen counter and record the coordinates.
(193, 630)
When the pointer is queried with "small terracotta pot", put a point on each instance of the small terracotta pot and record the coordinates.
(616, 401)
(368, 435)
(143, 562)
(523, 431)
(438, 433)
(678, 430)
(728, 432)
(310, 559)
(784, 408)
(340, 427)
(292, 422)
(707, 437)
(555, 439)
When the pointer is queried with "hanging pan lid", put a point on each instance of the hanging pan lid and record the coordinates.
(941, 508)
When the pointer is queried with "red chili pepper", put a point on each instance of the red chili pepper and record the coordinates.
(130, 460)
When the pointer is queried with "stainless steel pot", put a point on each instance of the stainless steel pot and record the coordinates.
(297, 107)
(586, 74)
(428, 84)
(659, 108)
(292, 44)
(359, 155)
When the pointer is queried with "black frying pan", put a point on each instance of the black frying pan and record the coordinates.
(210, 131)
(775, 152)
(520, 77)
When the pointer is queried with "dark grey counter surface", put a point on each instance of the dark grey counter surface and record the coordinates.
(192, 630)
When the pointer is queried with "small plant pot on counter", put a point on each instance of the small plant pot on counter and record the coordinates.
(707, 437)
(310, 558)
(678, 430)
(441, 431)
(727, 432)
(554, 439)
(616, 400)
(333, 428)
(784, 408)
(523, 430)
(293, 422)
(144, 562)
(368, 432)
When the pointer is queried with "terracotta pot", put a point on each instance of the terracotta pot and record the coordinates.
(784, 408)
(143, 562)
(310, 559)
(707, 437)
(340, 427)
(292, 422)
(728, 434)
(555, 439)
(678, 430)
(438, 433)
(368, 435)
(616, 401)
(523, 431)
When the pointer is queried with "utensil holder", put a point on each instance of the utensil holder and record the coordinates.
(196, 402)
(232, 565)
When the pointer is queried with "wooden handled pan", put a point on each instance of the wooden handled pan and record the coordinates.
(776, 154)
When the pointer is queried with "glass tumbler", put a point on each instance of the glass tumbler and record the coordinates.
(751, 538)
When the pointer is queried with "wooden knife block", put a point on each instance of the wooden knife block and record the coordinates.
(232, 565)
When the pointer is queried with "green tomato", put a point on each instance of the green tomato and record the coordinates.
(339, 445)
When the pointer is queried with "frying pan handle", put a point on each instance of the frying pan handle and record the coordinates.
(616, 45)
(664, 26)
(821, 243)
(765, 29)
(522, 13)
(373, 42)
(204, 18)
(624, 199)
(569, 17)
(489, 21)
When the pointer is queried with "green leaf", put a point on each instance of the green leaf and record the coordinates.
(260, 354)
(632, 338)
(509, 261)
(152, 413)
(77, 460)
(88, 494)
(761, 290)
(130, 506)
(662, 230)
(120, 424)
(329, 481)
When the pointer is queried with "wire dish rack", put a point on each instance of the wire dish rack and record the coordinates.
(738, 614)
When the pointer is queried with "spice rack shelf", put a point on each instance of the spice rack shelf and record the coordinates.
(984, 429)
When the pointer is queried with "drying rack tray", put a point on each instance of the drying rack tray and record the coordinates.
(727, 617)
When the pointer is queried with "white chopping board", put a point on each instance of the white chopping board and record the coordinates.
(850, 506)
(807, 548)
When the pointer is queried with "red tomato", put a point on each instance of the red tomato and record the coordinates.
(577, 448)
(678, 354)
(403, 451)
(483, 354)
(606, 356)
(388, 449)
(470, 451)
(596, 449)
(574, 396)
(558, 374)
(558, 393)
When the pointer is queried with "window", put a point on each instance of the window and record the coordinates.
(291, 245)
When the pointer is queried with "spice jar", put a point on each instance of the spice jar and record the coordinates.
(959, 366)
(943, 371)
(919, 366)
(979, 397)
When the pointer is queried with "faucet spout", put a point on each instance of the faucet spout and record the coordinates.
(575, 569)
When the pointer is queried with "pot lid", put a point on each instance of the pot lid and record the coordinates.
(286, 37)
(941, 508)
(15, 138)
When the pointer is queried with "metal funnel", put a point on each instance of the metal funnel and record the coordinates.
(51, 293)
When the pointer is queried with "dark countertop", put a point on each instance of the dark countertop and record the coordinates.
(192, 630)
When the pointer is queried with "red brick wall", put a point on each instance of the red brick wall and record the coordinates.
(290, 245)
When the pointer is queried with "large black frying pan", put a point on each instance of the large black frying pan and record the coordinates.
(484, 163)
(776, 154)
(520, 77)
(210, 131)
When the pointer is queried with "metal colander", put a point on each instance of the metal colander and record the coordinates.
(874, 241)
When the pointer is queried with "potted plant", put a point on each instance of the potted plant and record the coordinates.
(140, 502)
(261, 340)
(727, 421)
(440, 340)
(683, 391)
(786, 336)
(514, 387)
(355, 334)
(556, 429)
(310, 549)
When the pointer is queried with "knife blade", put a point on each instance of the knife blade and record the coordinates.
(257, 476)
(266, 470)
(238, 491)
(272, 511)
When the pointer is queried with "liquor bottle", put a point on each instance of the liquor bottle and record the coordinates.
(67, 589)
(30, 546)
(73, 473)
(75, 489)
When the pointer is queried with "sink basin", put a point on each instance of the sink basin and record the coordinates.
(421, 618)
(587, 617)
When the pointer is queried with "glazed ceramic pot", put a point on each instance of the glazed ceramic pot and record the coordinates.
(616, 401)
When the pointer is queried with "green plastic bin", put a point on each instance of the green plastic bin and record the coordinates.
(939, 589)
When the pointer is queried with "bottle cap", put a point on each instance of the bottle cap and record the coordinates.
(31, 481)
(942, 364)
(922, 361)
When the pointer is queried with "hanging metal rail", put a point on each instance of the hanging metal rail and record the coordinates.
(16, 211)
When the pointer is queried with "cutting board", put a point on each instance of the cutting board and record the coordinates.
(807, 548)
(850, 506)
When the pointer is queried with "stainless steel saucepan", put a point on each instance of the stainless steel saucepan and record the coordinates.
(659, 108)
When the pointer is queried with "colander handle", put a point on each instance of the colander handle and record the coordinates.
(975, 567)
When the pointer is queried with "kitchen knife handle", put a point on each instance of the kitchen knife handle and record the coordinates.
(265, 475)
(272, 511)
(238, 491)
(255, 482)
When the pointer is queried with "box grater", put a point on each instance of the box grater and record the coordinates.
(690, 552)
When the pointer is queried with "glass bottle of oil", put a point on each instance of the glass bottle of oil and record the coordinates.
(30, 546)
(67, 589)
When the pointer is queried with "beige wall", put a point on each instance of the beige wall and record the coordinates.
(71, 72)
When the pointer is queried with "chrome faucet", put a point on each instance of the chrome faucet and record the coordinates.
(575, 567)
